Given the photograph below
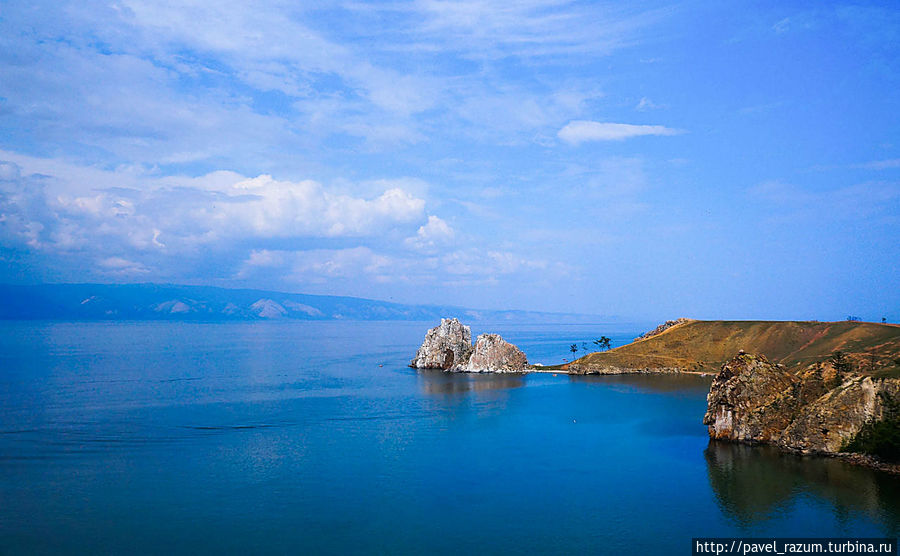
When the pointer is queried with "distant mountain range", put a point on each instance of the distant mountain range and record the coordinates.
(202, 303)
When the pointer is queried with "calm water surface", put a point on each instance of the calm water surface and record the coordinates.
(316, 437)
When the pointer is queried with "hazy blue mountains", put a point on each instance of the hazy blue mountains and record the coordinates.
(202, 303)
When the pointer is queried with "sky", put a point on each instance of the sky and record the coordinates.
(640, 159)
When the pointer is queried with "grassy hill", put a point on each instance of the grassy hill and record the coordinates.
(702, 346)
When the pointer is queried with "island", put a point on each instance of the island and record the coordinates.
(810, 387)
(448, 347)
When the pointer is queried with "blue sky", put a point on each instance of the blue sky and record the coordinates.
(643, 159)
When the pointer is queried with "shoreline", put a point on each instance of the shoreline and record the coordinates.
(812, 398)
(610, 372)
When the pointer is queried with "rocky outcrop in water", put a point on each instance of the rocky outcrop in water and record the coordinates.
(493, 354)
(819, 410)
(448, 347)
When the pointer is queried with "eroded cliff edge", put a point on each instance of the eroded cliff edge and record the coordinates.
(826, 408)
(449, 347)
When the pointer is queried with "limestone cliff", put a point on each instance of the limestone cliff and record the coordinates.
(819, 410)
(448, 346)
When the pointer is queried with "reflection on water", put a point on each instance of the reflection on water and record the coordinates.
(664, 382)
(440, 382)
(758, 483)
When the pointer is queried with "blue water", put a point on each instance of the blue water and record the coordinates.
(314, 437)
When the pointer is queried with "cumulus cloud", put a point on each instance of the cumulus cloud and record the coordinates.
(247, 230)
(431, 235)
(147, 225)
(580, 131)
(50, 212)
(267, 207)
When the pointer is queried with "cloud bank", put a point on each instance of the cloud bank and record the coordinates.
(127, 224)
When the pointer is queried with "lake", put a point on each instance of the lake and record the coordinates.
(314, 437)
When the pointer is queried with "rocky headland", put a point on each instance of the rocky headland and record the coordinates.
(829, 388)
(449, 347)
(826, 408)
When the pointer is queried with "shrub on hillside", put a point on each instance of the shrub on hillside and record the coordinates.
(880, 438)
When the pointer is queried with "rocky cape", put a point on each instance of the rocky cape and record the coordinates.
(820, 410)
(449, 347)
(820, 388)
(810, 387)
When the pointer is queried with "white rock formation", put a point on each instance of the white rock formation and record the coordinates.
(493, 354)
(449, 347)
(446, 346)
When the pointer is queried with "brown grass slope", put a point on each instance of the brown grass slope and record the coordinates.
(702, 346)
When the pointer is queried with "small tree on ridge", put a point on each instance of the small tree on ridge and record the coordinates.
(603, 343)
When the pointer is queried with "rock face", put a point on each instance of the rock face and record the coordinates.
(446, 346)
(834, 419)
(817, 411)
(749, 400)
(493, 354)
(449, 347)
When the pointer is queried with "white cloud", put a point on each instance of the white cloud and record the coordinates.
(273, 48)
(481, 29)
(190, 82)
(646, 104)
(488, 263)
(431, 235)
(500, 111)
(316, 265)
(266, 207)
(51, 208)
(9, 171)
(117, 266)
(782, 26)
(580, 131)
